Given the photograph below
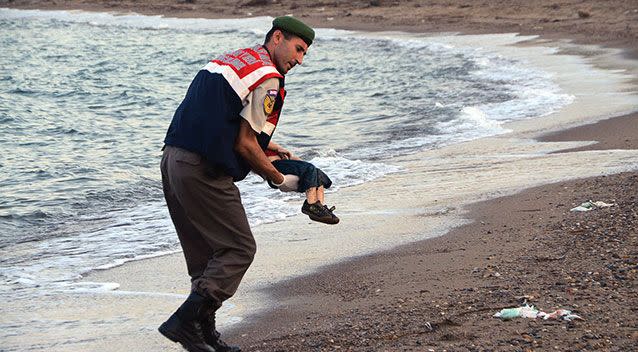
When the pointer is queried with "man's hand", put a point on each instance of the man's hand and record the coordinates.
(289, 184)
(283, 153)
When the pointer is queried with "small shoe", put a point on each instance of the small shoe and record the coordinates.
(320, 213)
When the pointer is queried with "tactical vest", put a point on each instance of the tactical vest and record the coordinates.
(207, 121)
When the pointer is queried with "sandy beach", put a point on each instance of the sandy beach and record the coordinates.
(517, 242)
(440, 294)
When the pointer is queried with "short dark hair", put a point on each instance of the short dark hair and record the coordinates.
(286, 34)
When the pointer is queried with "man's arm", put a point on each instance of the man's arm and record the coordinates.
(247, 146)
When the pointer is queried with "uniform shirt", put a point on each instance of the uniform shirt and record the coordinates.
(254, 111)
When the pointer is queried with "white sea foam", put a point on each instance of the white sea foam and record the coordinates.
(91, 287)
(119, 237)
(536, 94)
(345, 172)
(533, 92)
(471, 123)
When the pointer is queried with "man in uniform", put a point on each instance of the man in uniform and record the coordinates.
(220, 132)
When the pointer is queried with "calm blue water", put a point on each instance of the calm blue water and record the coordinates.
(85, 100)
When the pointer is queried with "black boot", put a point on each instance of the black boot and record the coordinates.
(185, 327)
(211, 335)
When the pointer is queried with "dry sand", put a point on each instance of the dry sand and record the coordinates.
(439, 294)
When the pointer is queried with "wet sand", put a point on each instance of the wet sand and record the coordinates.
(617, 133)
(440, 294)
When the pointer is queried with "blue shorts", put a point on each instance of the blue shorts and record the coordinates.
(309, 175)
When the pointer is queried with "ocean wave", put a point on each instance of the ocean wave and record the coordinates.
(95, 243)
(346, 172)
(33, 215)
(471, 118)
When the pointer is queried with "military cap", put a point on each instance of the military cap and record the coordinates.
(294, 26)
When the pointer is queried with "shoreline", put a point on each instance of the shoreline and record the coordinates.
(318, 336)
(583, 21)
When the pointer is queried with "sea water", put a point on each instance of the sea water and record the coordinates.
(86, 98)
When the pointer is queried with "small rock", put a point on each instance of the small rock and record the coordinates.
(255, 3)
(583, 14)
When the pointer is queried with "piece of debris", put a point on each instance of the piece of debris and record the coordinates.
(526, 311)
(560, 314)
(531, 312)
(589, 205)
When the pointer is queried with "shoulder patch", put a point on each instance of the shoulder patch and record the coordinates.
(269, 101)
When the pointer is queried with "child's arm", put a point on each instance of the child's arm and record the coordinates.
(283, 152)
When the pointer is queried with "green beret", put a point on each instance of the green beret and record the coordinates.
(294, 26)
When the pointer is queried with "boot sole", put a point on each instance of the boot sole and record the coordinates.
(164, 331)
(178, 338)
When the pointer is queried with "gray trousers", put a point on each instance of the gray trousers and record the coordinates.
(210, 221)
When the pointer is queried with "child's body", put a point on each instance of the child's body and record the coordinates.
(312, 181)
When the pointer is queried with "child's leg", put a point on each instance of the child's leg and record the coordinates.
(312, 195)
(320, 196)
(312, 180)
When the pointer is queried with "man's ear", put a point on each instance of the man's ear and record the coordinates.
(277, 36)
